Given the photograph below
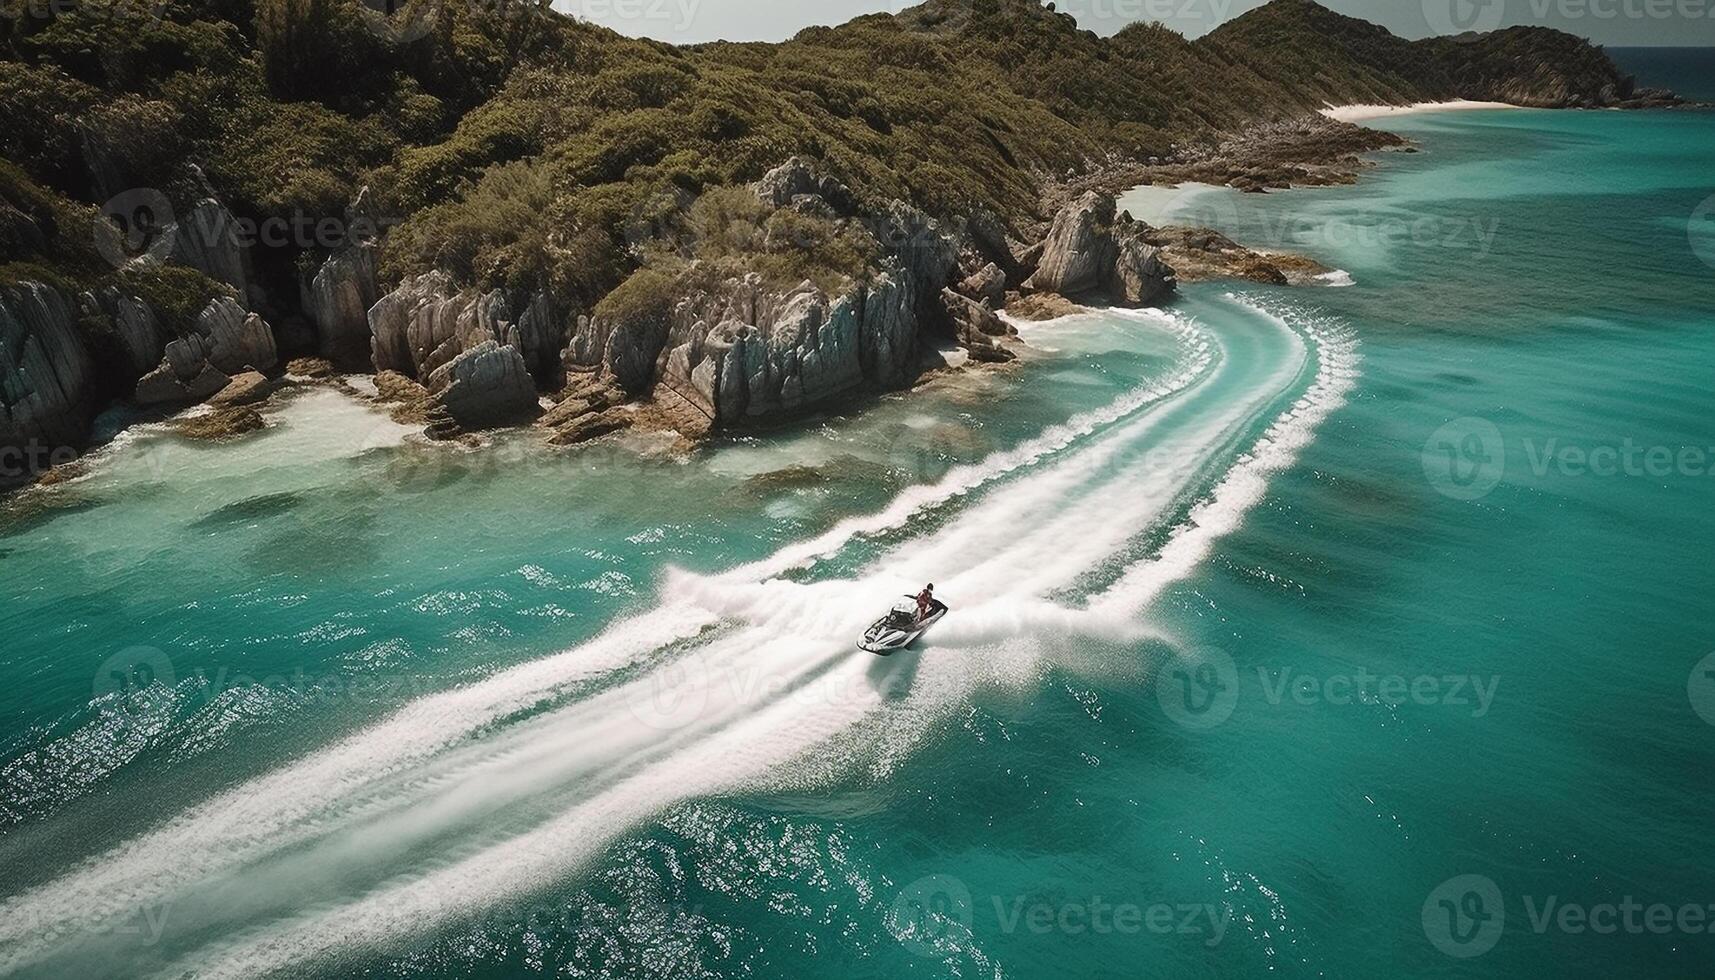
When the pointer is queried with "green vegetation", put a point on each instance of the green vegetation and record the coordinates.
(515, 147)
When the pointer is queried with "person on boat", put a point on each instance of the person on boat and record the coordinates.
(925, 601)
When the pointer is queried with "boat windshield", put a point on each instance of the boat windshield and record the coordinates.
(900, 619)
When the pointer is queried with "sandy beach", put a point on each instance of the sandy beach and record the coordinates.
(1358, 113)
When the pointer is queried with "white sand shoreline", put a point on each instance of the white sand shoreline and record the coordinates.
(1357, 113)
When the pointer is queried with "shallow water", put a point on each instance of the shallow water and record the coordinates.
(1273, 615)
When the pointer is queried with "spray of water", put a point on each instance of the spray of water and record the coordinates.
(729, 684)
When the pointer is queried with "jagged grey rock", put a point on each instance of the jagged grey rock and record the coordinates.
(485, 386)
(1139, 275)
(139, 330)
(338, 297)
(1090, 250)
(47, 397)
(337, 301)
(795, 184)
(208, 238)
(1079, 249)
(986, 285)
(234, 339)
(426, 322)
(227, 341)
(973, 322)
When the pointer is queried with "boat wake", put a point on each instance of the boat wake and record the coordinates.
(744, 679)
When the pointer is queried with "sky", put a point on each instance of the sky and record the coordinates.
(1612, 22)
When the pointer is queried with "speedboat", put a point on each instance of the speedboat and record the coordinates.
(899, 627)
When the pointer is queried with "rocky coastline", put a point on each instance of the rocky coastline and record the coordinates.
(710, 349)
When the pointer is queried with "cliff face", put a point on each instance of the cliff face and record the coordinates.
(735, 349)
(47, 395)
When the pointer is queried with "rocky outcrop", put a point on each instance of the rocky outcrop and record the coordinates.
(1091, 252)
(539, 335)
(794, 181)
(741, 351)
(986, 285)
(245, 388)
(235, 340)
(338, 297)
(983, 241)
(1079, 249)
(976, 325)
(1198, 254)
(208, 238)
(47, 396)
(227, 341)
(484, 387)
(738, 349)
(426, 322)
(337, 301)
(139, 331)
(1139, 276)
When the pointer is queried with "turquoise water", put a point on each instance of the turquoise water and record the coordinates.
(364, 707)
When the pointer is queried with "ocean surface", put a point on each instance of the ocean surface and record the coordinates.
(1352, 630)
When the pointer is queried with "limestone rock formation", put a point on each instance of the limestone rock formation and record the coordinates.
(485, 386)
(794, 180)
(338, 297)
(1090, 251)
(236, 340)
(1139, 276)
(986, 285)
(426, 322)
(1079, 248)
(208, 238)
(227, 341)
(47, 396)
(139, 330)
(742, 351)
(337, 301)
(742, 348)
(975, 326)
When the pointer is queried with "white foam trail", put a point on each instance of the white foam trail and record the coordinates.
(961, 480)
(291, 804)
(1247, 482)
(758, 697)
(738, 731)
(1068, 534)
